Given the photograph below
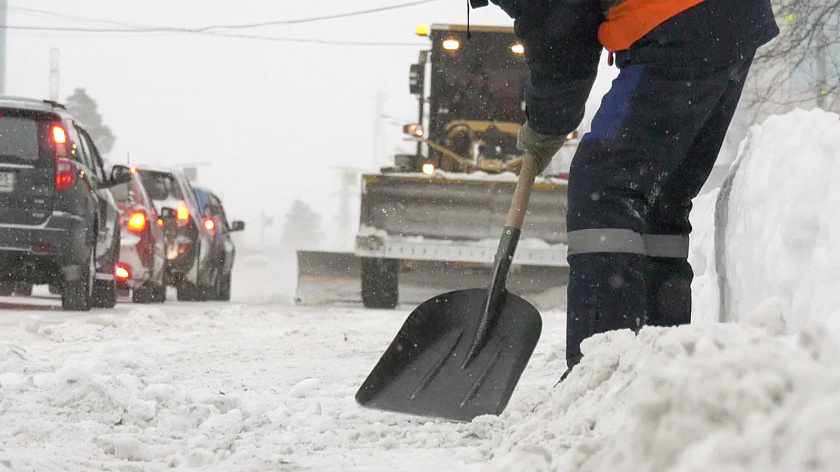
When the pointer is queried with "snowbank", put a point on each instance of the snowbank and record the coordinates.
(783, 231)
(695, 398)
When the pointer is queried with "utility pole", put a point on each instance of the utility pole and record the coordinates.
(54, 73)
(4, 7)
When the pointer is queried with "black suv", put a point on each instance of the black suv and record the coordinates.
(59, 224)
(188, 263)
(222, 251)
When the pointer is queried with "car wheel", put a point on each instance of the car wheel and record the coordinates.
(159, 293)
(380, 282)
(77, 295)
(223, 287)
(210, 292)
(186, 291)
(143, 294)
(104, 293)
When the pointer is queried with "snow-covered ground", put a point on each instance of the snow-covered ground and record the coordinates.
(259, 384)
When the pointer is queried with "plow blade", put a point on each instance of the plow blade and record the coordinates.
(458, 209)
(423, 235)
(327, 278)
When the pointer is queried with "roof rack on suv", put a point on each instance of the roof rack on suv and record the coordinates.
(51, 103)
(55, 104)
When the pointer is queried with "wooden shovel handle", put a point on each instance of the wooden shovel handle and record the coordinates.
(522, 194)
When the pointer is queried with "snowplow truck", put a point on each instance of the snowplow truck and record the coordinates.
(431, 223)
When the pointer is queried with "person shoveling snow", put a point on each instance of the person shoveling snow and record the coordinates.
(652, 146)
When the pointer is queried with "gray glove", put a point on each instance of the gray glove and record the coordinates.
(540, 146)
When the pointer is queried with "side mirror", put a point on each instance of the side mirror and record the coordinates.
(415, 79)
(237, 226)
(120, 175)
(414, 129)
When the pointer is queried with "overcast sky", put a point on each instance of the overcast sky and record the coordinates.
(269, 121)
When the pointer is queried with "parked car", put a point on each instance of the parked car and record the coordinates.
(58, 220)
(222, 251)
(188, 264)
(142, 265)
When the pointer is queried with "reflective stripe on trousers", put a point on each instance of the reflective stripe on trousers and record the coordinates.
(625, 241)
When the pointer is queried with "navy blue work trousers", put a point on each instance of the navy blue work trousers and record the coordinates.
(654, 141)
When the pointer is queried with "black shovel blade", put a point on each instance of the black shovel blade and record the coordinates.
(422, 372)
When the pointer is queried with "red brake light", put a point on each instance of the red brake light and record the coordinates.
(209, 224)
(137, 221)
(64, 172)
(123, 272)
(59, 139)
(183, 213)
(59, 135)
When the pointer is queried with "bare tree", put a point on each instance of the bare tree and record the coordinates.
(302, 227)
(800, 68)
(85, 109)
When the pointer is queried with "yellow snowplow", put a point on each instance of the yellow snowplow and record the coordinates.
(431, 222)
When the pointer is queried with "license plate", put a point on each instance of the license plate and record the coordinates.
(7, 181)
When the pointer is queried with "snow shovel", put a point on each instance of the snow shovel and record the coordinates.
(459, 355)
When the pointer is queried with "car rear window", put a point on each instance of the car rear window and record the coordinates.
(161, 186)
(19, 143)
(201, 197)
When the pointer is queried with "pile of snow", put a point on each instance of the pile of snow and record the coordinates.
(782, 236)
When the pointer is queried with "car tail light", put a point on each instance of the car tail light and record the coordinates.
(137, 221)
(59, 135)
(209, 224)
(64, 172)
(64, 168)
(122, 272)
(183, 213)
(59, 139)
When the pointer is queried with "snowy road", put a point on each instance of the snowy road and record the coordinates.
(228, 386)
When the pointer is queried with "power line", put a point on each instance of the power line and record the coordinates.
(138, 29)
(321, 18)
(217, 27)
(214, 34)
